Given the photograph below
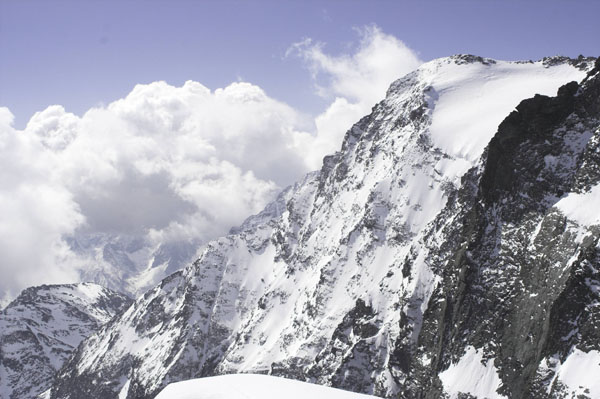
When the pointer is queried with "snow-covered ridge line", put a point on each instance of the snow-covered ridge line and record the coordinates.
(469, 96)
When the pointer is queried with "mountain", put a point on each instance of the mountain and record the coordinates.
(444, 239)
(42, 327)
(252, 386)
(129, 263)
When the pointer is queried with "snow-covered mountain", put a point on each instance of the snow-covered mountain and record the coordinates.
(129, 263)
(41, 328)
(446, 238)
(252, 386)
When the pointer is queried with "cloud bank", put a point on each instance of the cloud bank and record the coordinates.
(170, 164)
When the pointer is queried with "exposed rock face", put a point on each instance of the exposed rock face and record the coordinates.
(42, 327)
(414, 255)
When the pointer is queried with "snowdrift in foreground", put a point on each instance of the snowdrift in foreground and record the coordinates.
(252, 386)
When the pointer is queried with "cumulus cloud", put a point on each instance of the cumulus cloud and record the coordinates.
(164, 153)
(355, 82)
(170, 164)
(163, 164)
(37, 210)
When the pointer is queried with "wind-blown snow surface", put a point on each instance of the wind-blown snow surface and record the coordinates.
(42, 327)
(332, 284)
(252, 386)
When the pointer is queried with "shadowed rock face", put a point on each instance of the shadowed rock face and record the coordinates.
(525, 133)
(381, 271)
(42, 327)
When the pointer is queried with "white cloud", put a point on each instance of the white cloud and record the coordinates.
(163, 164)
(55, 127)
(355, 81)
(168, 163)
(36, 212)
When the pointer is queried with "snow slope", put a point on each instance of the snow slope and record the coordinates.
(472, 375)
(582, 207)
(579, 373)
(471, 99)
(252, 386)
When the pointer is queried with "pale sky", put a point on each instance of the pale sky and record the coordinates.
(170, 122)
(83, 53)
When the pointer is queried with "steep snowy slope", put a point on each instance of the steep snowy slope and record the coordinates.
(42, 327)
(334, 283)
(252, 386)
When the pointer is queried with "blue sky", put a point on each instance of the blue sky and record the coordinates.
(84, 53)
(170, 122)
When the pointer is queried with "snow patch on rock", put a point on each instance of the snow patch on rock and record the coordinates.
(582, 207)
(473, 375)
(579, 373)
